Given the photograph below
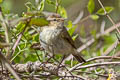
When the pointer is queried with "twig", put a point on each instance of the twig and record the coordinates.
(4, 24)
(78, 18)
(57, 5)
(102, 75)
(98, 64)
(108, 16)
(8, 66)
(102, 29)
(5, 27)
(46, 67)
(91, 41)
(37, 55)
(92, 59)
(110, 48)
(19, 37)
(84, 19)
(110, 20)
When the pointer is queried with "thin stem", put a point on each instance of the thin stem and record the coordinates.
(19, 38)
(98, 64)
(108, 16)
(92, 59)
(4, 24)
(8, 66)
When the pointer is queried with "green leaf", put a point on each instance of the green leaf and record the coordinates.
(68, 62)
(101, 11)
(62, 11)
(20, 26)
(36, 37)
(91, 6)
(41, 5)
(6, 6)
(71, 27)
(39, 21)
(30, 7)
(109, 39)
(94, 17)
(69, 24)
(74, 37)
(1, 1)
(50, 2)
(72, 30)
(30, 57)
(93, 32)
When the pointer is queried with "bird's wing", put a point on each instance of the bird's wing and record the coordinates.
(67, 37)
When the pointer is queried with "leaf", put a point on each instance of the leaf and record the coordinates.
(93, 33)
(30, 7)
(39, 21)
(74, 37)
(72, 30)
(68, 62)
(71, 27)
(69, 24)
(109, 39)
(6, 6)
(30, 57)
(91, 6)
(50, 2)
(41, 5)
(62, 11)
(94, 17)
(20, 26)
(1, 1)
(101, 11)
(36, 37)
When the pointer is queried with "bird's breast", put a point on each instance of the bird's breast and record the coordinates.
(49, 34)
(51, 39)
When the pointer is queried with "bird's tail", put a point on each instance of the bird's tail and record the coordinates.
(78, 56)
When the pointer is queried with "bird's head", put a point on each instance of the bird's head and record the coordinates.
(55, 20)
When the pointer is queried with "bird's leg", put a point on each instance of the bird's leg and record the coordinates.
(53, 56)
(53, 52)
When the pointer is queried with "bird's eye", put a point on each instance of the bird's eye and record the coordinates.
(54, 20)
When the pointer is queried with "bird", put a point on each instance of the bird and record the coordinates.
(55, 39)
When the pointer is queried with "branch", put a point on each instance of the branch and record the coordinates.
(91, 41)
(98, 64)
(92, 59)
(51, 69)
(110, 48)
(19, 38)
(8, 66)
(108, 16)
(76, 21)
(5, 26)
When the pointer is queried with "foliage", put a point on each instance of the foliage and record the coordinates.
(28, 27)
(101, 11)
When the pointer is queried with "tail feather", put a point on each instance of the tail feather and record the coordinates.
(79, 57)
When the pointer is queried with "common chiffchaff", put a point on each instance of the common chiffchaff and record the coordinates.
(54, 38)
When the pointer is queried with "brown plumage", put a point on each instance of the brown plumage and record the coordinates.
(56, 38)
